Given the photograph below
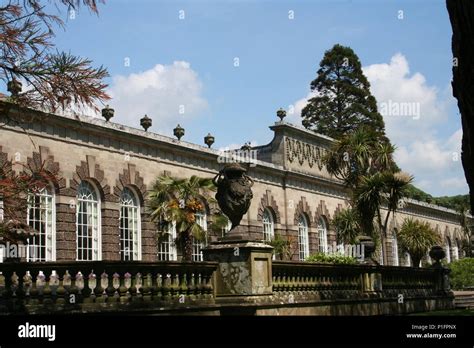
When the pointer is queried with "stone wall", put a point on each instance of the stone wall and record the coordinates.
(112, 156)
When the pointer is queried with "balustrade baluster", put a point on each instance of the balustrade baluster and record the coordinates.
(167, 287)
(138, 285)
(2, 285)
(159, 287)
(191, 287)
(147, 287)
(91, 285)
(40, 283)
(15, 284)
(116, 286)
(27, 283)
(54, 283)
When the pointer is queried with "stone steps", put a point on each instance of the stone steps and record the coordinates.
(464, 299)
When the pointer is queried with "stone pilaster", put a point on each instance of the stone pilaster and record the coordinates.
(149, 238)
(66, 232)
(110, 235)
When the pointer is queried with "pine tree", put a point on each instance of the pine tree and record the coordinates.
(343, 101)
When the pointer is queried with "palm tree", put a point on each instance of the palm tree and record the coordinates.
(377, 191)
(417, 238)
(360, 153)
(364, 162)
(179, 200)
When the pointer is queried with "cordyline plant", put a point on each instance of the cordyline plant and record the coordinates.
(27, 56)
(14, 191)
(177, 201)
(363, 160)
(417, 238)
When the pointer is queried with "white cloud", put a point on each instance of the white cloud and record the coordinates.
(166, 93)
(392, 85)
(433, 159)
(294, 111)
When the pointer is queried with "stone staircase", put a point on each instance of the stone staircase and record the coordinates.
(464, 299)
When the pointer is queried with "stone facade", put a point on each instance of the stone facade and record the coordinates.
(288, 173)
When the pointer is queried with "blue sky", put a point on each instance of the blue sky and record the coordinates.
(190, 62)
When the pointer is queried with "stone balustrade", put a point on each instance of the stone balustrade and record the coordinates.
(191, 288)
(397, 279)
(306, 277)
(352, 281)
(104, 286)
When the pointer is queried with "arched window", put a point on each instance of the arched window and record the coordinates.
(447, 249)
(130, 229)
(303, 238)
(88, 223)
(268, 228)
(395, 258)
(41, 217)
(201, 220)
(323, 236)
(407, 259)
(456, 250)
(167, 245)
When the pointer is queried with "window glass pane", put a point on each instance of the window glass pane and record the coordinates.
(87, 223)
(129, 228)
(40, 217)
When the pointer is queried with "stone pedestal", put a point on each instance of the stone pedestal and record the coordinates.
(245, 266)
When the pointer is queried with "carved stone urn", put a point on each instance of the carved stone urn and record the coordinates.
(234, 192)
(369, 248)
(437, 253)
(245, 264)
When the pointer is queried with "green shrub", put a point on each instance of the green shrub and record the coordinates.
(462, 273)
(331, 258)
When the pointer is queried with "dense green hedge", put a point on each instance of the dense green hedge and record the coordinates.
(462, 273)
(331, 258)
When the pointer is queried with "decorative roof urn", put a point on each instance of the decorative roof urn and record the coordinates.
(14, 87)
(246, 146)
(209, 140)
(178, 132)
(145, 122)
(107, 113)
(281, 114)
(234, 192)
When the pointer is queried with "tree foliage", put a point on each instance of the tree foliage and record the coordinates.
(417, 238)
(285, 247)
(343, 101)
(27, 55)
(462, 273)
(333, 258)
(365, 164)
(14, 191)
(347, 224)
(358, 154)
